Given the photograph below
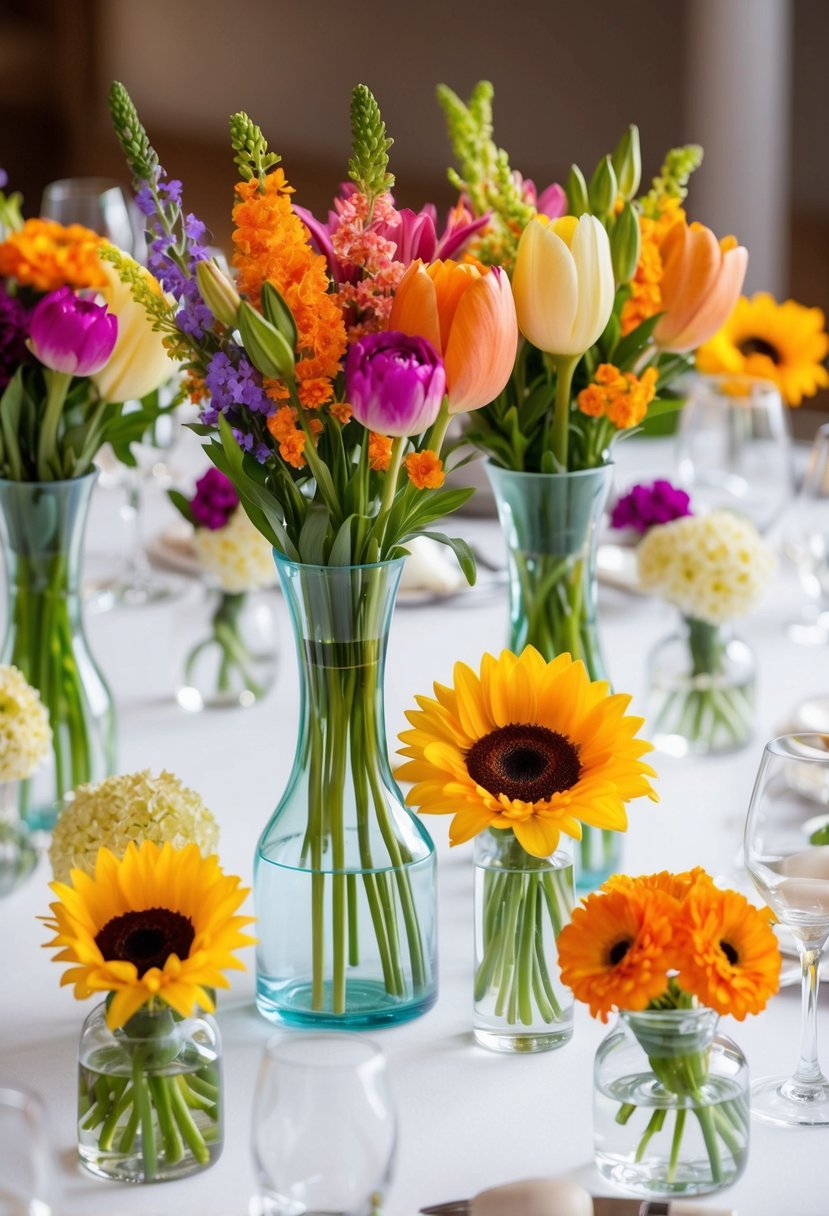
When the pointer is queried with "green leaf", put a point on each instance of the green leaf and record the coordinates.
(258, 502)
(461, 549)
(313, 535)
(11, 404)
(626, 350)
(340, 554)
(182, 505)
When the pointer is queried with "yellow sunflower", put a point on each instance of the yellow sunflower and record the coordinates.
(528, 745)
(728, 955)
(616, 951)
(160, 923)
(785, 343)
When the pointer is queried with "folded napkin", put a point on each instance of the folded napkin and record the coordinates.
(430, 567)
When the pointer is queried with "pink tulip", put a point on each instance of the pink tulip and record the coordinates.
(72, 335)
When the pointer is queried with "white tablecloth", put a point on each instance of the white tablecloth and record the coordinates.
(468, 1118)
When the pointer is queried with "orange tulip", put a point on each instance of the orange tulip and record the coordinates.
(701, 281)
(468, 315)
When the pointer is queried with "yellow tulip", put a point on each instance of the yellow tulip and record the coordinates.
(563, 283)
(139, 363)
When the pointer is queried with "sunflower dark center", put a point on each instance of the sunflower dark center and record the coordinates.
(759, 346)
(146, 938)
(524, 761)
(730, 953)
(618, 951)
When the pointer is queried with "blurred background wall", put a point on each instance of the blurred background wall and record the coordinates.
(746, 78)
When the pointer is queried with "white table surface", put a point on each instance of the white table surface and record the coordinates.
(468, 1118)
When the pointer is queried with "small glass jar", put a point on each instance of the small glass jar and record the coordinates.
(149, 1096)
(701, 691)
(225, 647)
(670, 1104)
(521, 905)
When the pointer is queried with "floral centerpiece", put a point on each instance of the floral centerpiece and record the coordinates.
(156, 930)
(714, 568)
(75, 350)
(330, 422)
(234, 663)
(25, 739)
(671, 953)
(523, 754)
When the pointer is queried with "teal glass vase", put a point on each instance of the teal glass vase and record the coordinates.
(345, 874)
(42, 527)
(550, 523)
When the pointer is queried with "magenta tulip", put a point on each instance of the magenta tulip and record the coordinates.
(395, 384)
(72, 335)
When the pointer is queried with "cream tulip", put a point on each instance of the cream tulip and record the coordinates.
(563, 283)
(139, 363)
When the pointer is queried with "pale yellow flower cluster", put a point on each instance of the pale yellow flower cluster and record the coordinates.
(25, 736)
(135, 806)
(714, 567)
(237, 556)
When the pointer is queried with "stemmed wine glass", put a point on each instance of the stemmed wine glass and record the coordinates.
(808, 543)
(324, 1127)
(26, 1181)
(788, 861)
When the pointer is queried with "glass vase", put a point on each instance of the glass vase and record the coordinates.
(521, 905)
(701, 690)
(671, 1104)
(226, 653)
(149, 1095)
(42, 528)
(550, 523)
(18, 856)
(344, 876)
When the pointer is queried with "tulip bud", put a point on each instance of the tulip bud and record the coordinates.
(627, 161)
(266, 347)
(603, 188)
(395, 383)
(624, 244)
(218, 293)
(576, 189)
(71, 335)
(279, 314)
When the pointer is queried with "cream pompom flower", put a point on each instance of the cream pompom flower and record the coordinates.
(25, 735)
(237, 556)
(133, 807)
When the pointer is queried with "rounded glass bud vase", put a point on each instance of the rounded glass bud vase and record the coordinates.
(671, 1104)
(701, 690)
(42, 528)
(550, 523)
(522, 903)
(345, 873)
(225, 649)
(149, 1096)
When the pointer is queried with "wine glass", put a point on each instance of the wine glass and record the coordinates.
(789, 866)
(95, 202)
(734, 448)
(808, 543)
(25, 1174)
(324, 1127)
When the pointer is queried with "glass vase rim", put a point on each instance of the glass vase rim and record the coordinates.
(816, 755)
(759, 385)
(371, 1052)
(176, 1021)
(669, 1017)
(391, 563)
(562, 473)
(92, 475)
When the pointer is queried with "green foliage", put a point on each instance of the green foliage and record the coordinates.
(672, 179)
(252, 157)
(368, 166)
(141, 156)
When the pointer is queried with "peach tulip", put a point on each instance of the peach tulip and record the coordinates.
(468, 315)
(701, 282)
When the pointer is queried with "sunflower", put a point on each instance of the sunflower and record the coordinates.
(528, 745)
(785, 343)
(615, 952)
(158, 924)
(728, 955)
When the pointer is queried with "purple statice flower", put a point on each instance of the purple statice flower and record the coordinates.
(647, 505)
(14, 329)
(214, 501)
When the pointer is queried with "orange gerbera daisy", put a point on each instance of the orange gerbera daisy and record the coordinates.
(678, 886)
(616, 951)
(45, 255)
(728, 955)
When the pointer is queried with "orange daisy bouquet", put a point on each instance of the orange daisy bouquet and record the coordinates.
(671, 953)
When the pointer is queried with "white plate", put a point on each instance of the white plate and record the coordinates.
(616, 567)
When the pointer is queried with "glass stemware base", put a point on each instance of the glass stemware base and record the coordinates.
(786, 1102)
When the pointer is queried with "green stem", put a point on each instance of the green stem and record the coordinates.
(144, 1108)
(560, 438)
(48, 464)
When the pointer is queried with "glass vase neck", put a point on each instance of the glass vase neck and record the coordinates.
(671, 1032)
(44, 520)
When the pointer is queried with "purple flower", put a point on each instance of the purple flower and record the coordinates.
(72, 335)
(14, 329)
(235, 384)
(214, 501)
(647, 505)
(193, 316)
(394, 383)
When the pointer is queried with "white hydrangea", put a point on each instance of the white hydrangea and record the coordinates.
(714, 567)
(135, 806)
(237, 556)
(25, 735)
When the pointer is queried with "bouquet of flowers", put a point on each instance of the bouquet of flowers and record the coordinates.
(714, 568)
(670, 952)
(237, 560)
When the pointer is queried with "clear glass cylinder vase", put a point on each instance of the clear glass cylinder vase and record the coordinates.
(149, 1096)
(225, 649)
(345, 873)
(18, 856)
(701, 690)
(521, 905)
(550, 523)
(42, 527)
(671, 1104)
